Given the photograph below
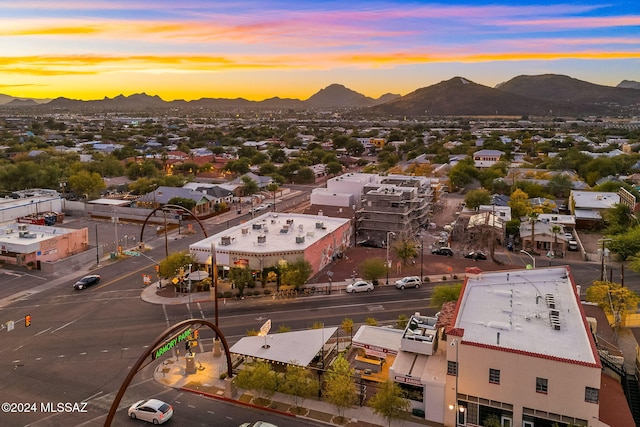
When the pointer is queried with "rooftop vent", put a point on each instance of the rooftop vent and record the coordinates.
(554, 318)
(290, 221)
(551, 301)
(284, 229)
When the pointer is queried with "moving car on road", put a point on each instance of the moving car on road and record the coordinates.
(408, 282)
(258, 424)
(359, 286)
(86, 281)
(152, 410)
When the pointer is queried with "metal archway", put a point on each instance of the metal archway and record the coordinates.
(178, 207)
(159, 340)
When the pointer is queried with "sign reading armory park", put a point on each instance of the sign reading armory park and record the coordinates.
(171, 343)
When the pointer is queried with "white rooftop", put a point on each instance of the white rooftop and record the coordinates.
(285, 347)
(270, 232)
(531, 311)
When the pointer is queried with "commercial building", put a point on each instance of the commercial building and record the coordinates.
(517, 348)
(275, 238)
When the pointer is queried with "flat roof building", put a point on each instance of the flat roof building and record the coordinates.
(269, 239)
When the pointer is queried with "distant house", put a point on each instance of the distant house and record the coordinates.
(588, 206)
(486, 158)
(205, 204)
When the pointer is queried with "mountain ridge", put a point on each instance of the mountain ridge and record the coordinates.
(539, 95)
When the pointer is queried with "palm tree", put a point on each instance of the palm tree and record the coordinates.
(273, 187)
(533, 217)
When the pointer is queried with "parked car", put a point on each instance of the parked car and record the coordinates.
(359, 286)
(86, 281)
(573, 245)
(370, 244)
(445, 250)
(476, 255)
(152, 410)
(408, 282)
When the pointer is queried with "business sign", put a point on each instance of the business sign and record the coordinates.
(264, 329)
(172, 343)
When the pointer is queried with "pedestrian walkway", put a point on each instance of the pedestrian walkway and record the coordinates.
(206, 380)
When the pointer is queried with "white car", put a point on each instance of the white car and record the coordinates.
(152, 410)
(408, 282)
(359, 286)
(258, 424)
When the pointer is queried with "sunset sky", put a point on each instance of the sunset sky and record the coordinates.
(191, 49)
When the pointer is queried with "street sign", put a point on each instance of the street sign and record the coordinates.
(264, 329)
(10, 325)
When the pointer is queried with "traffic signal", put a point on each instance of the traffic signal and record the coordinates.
(157, 268)
(27, 320)
(196, 334)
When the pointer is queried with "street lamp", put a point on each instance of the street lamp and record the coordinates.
(421, 257)
(533, 260)
(389, 233)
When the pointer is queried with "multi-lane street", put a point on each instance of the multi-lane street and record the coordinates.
(81, 344)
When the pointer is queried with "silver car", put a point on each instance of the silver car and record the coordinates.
(359, 286)
(408, 282)
(152, 410)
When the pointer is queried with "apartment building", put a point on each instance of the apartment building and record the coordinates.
(395, 204)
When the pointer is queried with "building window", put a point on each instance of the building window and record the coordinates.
(452, 368)
(541, 385)
(494, 376)
(591, 394)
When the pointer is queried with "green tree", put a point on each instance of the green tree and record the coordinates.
(339, 388)
(405, 249)
(334, 167)
(260, 379)
(249, 186)
(170, 266)
(85, 182)
(373, 269)
(297, 273)
(298, 383)
(241, 278)
(305, 175)
(559, 185)
(184, 202)
(347, 327)
(402, 321)
(555, 229)
(463, 173)
(389, 402)
(519, 204)
(613, 297)
(273, 187)
(475, 198)
(619, 219)
(626, 244)
(445, 293)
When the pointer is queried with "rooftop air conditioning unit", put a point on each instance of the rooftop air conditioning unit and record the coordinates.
(245, 230)
(225, 240)
(262, 239)
(319, 225)
(299, 239)
(256, 226)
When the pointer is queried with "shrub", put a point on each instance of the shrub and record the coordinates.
(227, 294)
(455, 277)
(426, 279)
(267, 291)
(444, 277)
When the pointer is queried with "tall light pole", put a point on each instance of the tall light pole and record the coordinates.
(530, 256)
(421, 257)
(389, 233)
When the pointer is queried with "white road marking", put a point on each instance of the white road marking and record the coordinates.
(64, 326)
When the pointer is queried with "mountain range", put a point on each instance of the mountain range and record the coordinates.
(538, 95)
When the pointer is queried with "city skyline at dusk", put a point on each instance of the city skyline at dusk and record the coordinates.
(257, 50)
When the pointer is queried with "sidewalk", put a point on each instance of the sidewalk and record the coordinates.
(206, 381)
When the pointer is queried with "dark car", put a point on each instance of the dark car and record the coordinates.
(476, 255)
(444, 250)
(370, 244)
(86, 281)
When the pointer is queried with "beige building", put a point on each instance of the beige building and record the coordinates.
(517, 348)
(522, 351)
